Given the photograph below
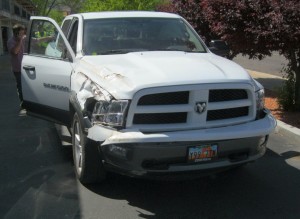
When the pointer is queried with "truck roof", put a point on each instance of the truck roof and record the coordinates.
(118, 14)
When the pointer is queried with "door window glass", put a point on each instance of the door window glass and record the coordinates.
(73, 36)
(46, 41)
(65, 26)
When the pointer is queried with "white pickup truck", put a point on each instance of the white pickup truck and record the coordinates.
(142, 95)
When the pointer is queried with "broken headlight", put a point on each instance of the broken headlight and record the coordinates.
(260, 103)
(111, 113)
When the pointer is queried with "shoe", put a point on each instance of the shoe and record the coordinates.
(22, 112)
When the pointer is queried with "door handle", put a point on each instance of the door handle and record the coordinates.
(29, 68)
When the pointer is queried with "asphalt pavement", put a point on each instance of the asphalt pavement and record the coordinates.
(269, 81)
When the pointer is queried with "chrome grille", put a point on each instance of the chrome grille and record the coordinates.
(174, 107)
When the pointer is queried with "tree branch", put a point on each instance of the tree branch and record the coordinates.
(51, 7)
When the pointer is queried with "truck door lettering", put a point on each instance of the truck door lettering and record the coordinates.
(56, 87)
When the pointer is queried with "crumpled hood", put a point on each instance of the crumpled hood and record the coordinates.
(123, 75)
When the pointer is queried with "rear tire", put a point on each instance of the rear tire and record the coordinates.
(87, 161)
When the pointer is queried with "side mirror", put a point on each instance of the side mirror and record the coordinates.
(219, 47)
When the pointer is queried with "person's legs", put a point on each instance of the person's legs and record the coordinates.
(19, 86)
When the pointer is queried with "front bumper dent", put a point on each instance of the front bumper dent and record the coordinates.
(260, 127)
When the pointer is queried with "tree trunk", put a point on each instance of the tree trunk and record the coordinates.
(297, 88)
(294, 58)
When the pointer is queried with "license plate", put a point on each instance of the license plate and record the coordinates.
(202, 153)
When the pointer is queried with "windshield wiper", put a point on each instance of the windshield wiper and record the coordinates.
(115, 51)
(121, 51)
(124, 51)
(178, 50)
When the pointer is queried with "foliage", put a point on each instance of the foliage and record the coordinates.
(192, 11)
(58, 16)
(44, 7)
(74, 5)
(286, 93)
(251, 27)
(118, 5)
(258, 28)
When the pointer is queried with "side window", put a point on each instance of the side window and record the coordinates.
(45, 40)
(65, 26)
(73, 36)
(42, 33)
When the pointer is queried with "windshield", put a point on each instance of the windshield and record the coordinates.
(123, 35)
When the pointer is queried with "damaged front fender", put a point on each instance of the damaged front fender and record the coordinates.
(96, 105)
(89, 89)
(84, 96)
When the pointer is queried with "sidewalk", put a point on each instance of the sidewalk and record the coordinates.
(267, 80)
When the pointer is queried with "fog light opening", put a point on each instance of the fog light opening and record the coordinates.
(263, 141)
(118, 151)
(262, 145)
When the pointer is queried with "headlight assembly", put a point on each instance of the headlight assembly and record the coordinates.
(260, 102)
(111, 113)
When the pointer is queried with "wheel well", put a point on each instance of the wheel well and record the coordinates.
(72, 110)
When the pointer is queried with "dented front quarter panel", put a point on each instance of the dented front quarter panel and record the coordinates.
(92, 82)
(107, 79)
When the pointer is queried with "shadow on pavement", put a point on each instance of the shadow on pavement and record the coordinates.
(268, 188)
(271, 83)
(37, 179)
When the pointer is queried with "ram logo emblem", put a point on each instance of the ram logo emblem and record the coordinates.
(200, 107)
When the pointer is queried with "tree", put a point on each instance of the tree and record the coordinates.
(256, 28)
(192, 11)
(74, 5)
(251, 27)
(58, 16)
(114, 5)
(44, 7)
(51, 8)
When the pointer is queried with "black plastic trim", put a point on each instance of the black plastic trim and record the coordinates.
(84, 120)
(47, 113)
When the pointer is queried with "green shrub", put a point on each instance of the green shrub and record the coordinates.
(286, 93)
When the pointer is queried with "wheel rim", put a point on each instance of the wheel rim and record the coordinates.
(77, 148)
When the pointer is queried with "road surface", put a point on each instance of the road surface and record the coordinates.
(271, 64)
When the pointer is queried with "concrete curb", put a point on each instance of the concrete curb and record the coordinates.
(288, 130)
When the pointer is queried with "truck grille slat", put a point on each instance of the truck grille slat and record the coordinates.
(227, 95)
(160, 118)
(227, 113)
(165, 98)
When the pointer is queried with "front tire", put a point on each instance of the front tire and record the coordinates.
(87, 161)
